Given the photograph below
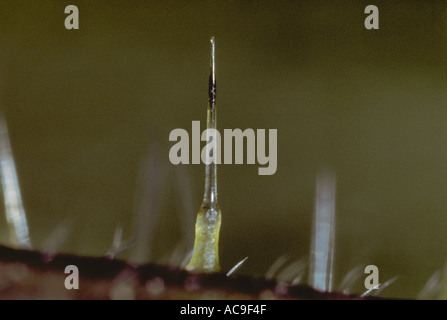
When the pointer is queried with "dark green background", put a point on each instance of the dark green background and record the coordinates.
(86, 108)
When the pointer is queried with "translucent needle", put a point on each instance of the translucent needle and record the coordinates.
(322, 246)
(15, 213)
(205, 257)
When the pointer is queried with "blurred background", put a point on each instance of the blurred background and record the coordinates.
(89, 113)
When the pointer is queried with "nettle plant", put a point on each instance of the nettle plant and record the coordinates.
(26, 273)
